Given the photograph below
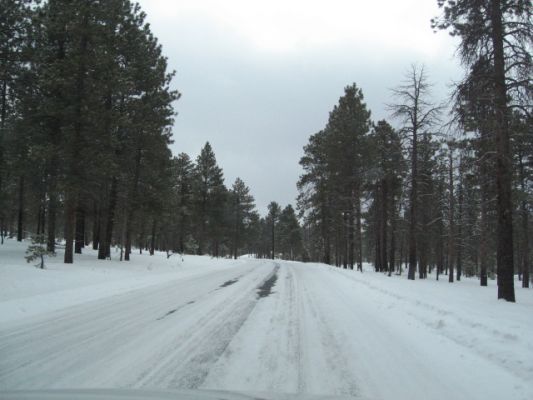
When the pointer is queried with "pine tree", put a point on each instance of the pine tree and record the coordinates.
(349, 123)
(388, 170)
(523, 151)
(289, 235)
(208, 192)
(315, 196)
(332, 187)
(241, 209)
(474, 113)
(500, 32)
(183, 175)
(15, 52)
(38, 251)
(94, 79)
(272, 219)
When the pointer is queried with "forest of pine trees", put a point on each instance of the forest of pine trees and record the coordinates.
(86, 116)
(443, 193)
(86, 111)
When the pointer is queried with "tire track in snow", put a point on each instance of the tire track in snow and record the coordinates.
(287, 345)
(332, 348)
(189, 359)
(437, 319)
(75, 346)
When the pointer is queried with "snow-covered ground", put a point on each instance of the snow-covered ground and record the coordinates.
(257, 326)
(27, 291)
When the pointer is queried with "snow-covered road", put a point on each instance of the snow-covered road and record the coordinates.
(259, 326)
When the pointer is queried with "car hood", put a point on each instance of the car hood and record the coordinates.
(138, 394)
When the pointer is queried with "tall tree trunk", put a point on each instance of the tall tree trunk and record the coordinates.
(152, 240)
(344, 240)
(451, 235)
(325, 234)
(525, 225)
(358, 233)
(39, 218)
(392, 252)
(80, 230)
(423, 242)
(181, 240)
(141, 238)
(338, 257)
(525, 247)
(20, 218)
(351, 238)
(216, 247)
(460, 199)
(423, 257)
(413, 209)
(236, 237)
(106, 230)
(127, 235)
(52, 210)
(72, 185)
(384, 220)
(131, 202)
(483, 228)
(97, 215)
(3, 115)
(377, 248)
(70, 212)
(327, 246)
(402, 241)
(202, 225)
(505, 261)
(52, 186)
(273, 228)
(440, 244)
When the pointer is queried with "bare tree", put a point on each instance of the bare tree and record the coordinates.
(418, 115)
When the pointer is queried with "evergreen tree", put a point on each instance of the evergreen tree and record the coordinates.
(289, 235)
(474, 113)
(389, 167)
(15, 56)
(241, 209)
(208, 197)
(37, 251)
(315, 197)
(183, 175)
(272, 219)
(331, 189)
(500, 32)
(93, 106)
(349, 123)
(523, 152)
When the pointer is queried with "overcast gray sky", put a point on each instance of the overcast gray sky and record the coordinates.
(259, 77)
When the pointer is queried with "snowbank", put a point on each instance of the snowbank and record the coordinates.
(27, 291)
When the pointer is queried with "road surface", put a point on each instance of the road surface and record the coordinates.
(261, 326)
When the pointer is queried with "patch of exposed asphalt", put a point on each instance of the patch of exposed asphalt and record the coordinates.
(174, 310)
(168, 313)
(266, 288)
(225, 284)
(230, 282)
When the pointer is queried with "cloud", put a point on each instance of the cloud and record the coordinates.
(259, 77)
(286, 26)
